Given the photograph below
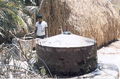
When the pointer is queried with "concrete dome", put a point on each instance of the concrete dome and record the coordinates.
(67, 40)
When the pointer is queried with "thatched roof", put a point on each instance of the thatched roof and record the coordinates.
(96, 19)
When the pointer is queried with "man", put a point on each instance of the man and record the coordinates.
(41, 27)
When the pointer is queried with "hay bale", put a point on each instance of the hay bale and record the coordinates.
(95, 19)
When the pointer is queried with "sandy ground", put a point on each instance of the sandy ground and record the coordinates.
(110, 55)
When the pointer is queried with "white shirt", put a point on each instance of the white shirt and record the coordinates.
(41, 28)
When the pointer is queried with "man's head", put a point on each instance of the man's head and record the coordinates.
(39, 17)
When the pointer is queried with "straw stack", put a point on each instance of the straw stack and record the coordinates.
(96, 19)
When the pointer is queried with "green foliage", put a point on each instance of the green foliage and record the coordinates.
(9, 18)
(42, 71)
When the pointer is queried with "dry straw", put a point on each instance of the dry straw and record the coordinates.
(96, 19)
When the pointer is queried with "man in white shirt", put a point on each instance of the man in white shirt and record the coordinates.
(41, 27)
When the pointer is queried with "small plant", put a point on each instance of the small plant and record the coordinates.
(42, 71)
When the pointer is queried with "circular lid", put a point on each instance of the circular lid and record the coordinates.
(67, 40)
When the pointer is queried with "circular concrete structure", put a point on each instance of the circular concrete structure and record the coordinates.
(68, 55)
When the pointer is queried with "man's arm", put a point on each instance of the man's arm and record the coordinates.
(46, 31)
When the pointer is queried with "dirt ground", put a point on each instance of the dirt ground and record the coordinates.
(110, 54)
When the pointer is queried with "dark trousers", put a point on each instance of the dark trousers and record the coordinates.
(41, 37)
